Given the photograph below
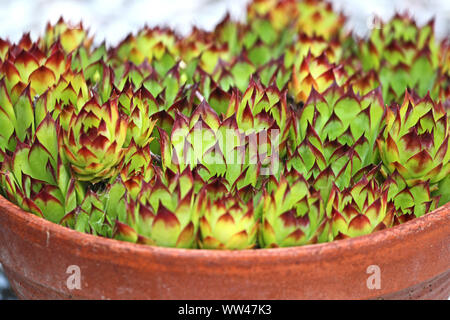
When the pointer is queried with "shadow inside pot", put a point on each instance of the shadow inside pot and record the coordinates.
(5, 290)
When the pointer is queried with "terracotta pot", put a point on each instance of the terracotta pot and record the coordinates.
(413, 260)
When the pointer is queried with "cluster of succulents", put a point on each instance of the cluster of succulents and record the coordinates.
(281, 131)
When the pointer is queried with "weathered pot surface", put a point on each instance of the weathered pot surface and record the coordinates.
(41, 259)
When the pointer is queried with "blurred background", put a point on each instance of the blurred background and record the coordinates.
(112, 20)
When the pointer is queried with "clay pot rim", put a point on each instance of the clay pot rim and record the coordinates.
(314, 251)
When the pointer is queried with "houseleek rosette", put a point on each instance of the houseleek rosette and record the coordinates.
(94, 140)
(416, 141)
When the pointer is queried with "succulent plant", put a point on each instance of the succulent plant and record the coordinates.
(314, 73)
(36, 177)
(405, 55)
(228, 223)
(164, 215)
(292, 214)
(416, 141)
(360, 209)
(414, 200)
(94, 141)
(283, 130)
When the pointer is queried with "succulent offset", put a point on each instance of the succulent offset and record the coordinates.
(282, 130)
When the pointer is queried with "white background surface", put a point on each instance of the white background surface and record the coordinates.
(114, 19)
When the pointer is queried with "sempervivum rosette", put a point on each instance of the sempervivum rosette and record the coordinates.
(228, 223)
(93, 143)
(165, 213)
(360, 209)
(416, 141)
(292, 214)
